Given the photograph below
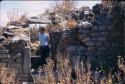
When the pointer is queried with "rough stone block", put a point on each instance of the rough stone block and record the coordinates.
(89, 53)
(102, 48)
(104, 33)
(86, 39)
(27, 61)
(90, 43)
(18, 60)
(86, 31)
(107, 43)
(94, 38)
(98, 43)
(4, 60)
(98, 53)
(102, 28)
(4, 54)
(115, 44)
(71, 48)
(94, 34)
(81, 30)
(83, 34)
(95, 28)
(109, 27)
(80, 48)
(90, 49)
(102, 38)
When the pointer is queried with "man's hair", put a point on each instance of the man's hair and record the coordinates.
(41, 28)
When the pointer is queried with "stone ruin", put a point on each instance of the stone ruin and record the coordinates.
(100, 42)
(17, 57)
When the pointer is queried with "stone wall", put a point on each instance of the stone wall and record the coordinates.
(100, 42)
(17, 57)
(103, 44)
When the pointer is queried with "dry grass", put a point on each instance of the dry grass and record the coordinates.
(62, 72)
(83, 73)
(7, 76)
(121, 64)
(65, 5)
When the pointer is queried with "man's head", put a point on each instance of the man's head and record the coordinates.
(42, 29)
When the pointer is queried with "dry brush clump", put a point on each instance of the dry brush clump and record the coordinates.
(64, 73)
(7, 76)
(65, 5)
(17, 16)
(121, 63)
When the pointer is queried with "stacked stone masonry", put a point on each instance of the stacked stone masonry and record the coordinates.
(20, 61)
(102, 42)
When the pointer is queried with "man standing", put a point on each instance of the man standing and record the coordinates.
(44, 44)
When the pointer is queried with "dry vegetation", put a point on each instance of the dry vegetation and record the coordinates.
(16, 16)
(64, 5)
(107, 3)
(63, 73)
(7, 76)
(83, 73)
